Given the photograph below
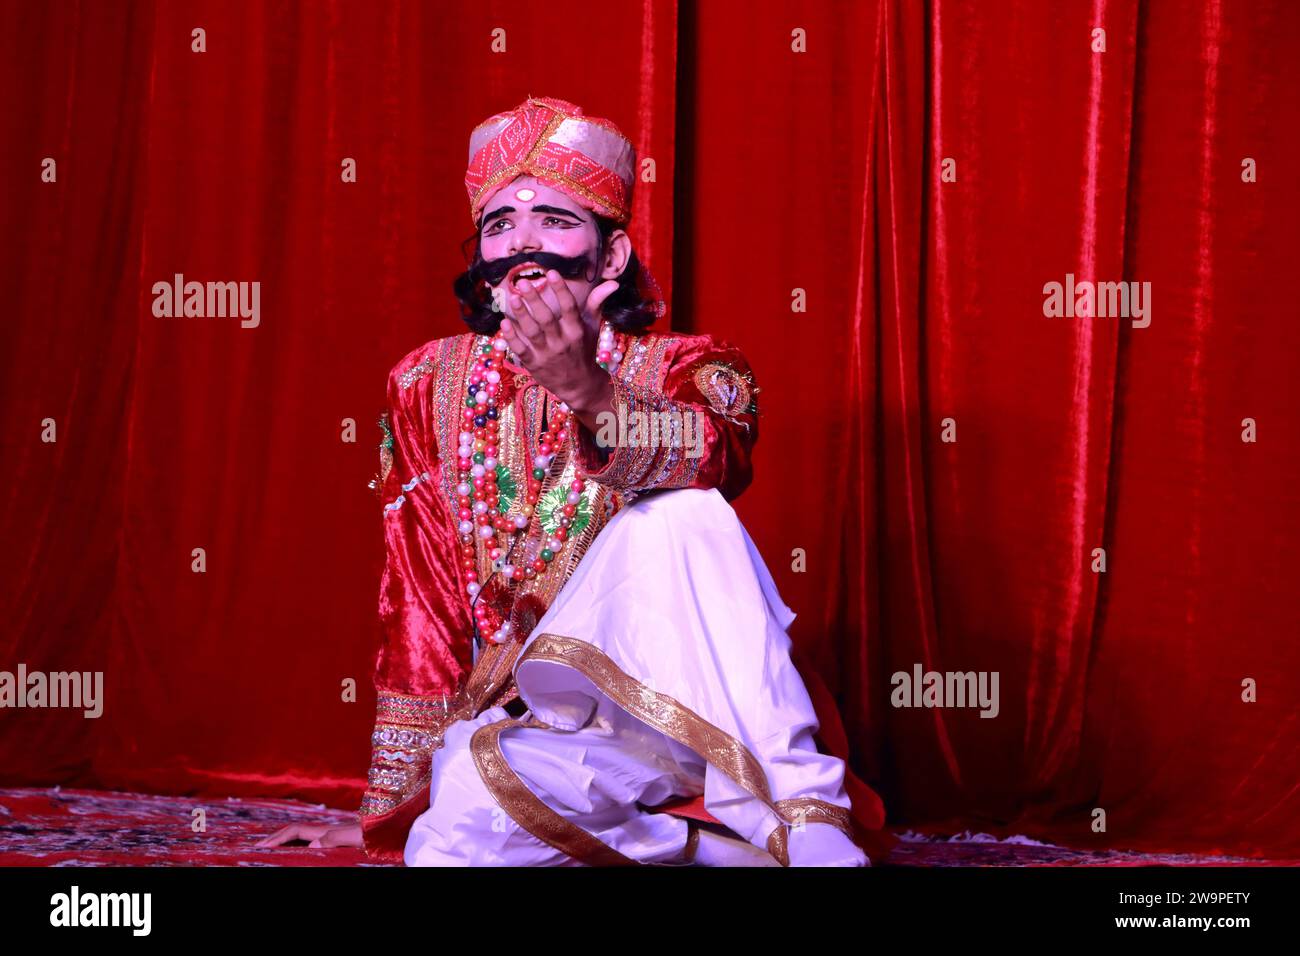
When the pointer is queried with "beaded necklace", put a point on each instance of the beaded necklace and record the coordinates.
(481, 473)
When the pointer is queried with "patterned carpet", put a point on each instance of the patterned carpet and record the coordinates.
(56, 827)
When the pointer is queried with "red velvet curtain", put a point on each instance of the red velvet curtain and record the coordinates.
(922, 318)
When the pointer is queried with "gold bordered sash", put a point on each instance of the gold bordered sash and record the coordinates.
(659, 711)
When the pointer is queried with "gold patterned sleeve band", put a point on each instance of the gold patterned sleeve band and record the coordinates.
(408, 729)
(632, 466)
(682, 419)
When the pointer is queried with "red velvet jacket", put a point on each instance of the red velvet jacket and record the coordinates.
(426, 654)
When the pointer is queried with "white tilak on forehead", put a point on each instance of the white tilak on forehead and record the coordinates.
(525, 194)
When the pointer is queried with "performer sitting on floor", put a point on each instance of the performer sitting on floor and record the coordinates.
(578, 630)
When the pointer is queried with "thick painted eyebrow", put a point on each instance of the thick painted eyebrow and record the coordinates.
(540, 207)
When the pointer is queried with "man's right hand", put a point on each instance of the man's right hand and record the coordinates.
(316, 835)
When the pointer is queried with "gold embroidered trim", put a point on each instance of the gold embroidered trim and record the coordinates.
(778, 844)
(415, 373)
(529, 810)
(408, 729)
(544, 139)
(678, 722)
(805, 810)
(728, 391)
(633, 467)
(488, 678)
(660, 711)
(447, 398)
(692, 840)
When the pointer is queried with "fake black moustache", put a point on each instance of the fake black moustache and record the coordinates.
(570, 267)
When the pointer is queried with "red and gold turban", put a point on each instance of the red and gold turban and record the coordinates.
(585, 157)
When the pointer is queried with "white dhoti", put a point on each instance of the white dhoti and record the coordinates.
(661, 670)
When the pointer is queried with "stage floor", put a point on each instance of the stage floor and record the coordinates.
(58, 827)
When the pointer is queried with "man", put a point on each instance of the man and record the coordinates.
(577, 629)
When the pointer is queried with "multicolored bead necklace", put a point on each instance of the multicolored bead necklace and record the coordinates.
(478, 488)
